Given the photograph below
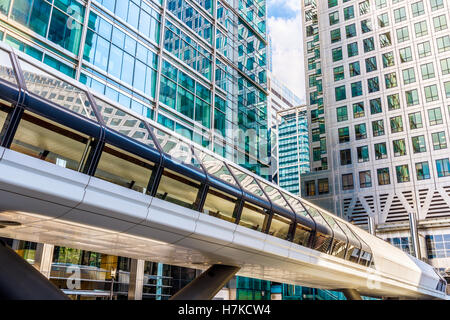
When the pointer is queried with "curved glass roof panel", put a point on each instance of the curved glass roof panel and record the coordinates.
(297, 206)
(56, 90)
(177, 149)
(338, 232)
(248, 182)
(6, 69)
(215, 167)
(351, 236)
(124, 123)
(275, 196)
(315, 214)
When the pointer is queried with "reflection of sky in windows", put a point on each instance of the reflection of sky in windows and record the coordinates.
(438, 246)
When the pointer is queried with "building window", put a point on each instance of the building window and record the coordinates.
(334, 17)
(347, 181)
(396, 124)
(438, 244)
(336, 54)
(418, 144)
(443, 44)
(427, 71)
(356, 88)
(350, 31)
(338, 73)
(421, 29)
(440, 23)
(358, 110)
(310, 188)
(364, 7)
(443, 168)
(335, 35)
(360, 131)
(445, 66)
(341, 114)
(431, 93)
(352, 49)
(424, 49)
(369, 44)
(383, 20)
(388, 59)
(363, 154)
(378, 128)
(393, 101)
(415, 120)
(385, 40)
(349, 13)
(405, 54)
(354, 69)
(402, 34)
(436, 4)
(390, 80)
(400, 14)
(375, 106)
(365, 179)
(399, 147)
(422, 170)
(346, 157)
(435, 116)
(402, 173)
(417, 8)
(380, 151)
(439, 141)
(409, 76)
(366, 26)
(344, 135)
(323, 186)
(412, 97)
(373, 84)
(383, 176)
(340, 93)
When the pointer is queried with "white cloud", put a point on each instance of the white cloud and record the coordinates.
(287, 48)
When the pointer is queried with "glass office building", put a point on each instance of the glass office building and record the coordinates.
(293, 150)
(196, 66)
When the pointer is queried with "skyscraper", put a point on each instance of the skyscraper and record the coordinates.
(379, 88)
(197, 67)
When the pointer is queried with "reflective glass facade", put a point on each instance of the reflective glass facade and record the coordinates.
(293, 148)
(196, 66)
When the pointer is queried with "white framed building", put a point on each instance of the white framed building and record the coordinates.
(378, 84)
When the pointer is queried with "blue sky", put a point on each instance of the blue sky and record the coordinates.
(285, 29)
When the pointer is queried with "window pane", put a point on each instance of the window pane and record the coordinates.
(253, 217)
(124, 169)
(178, 189)
(220, 205)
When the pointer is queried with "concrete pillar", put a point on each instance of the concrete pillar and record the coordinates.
(43, 258)
(136, 285)
(351, 294)
(208, 284)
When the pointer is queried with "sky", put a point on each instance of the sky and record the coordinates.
(285, 29)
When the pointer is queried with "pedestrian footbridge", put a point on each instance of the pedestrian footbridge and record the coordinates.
(80, 170)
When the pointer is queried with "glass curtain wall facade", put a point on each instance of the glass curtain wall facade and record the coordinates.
(196, 66)
(293, 151)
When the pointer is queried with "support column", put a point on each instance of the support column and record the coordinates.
(351, 294)
(414, 235)
(208, 284)
(43, 258)
(20, 281)
(136, 284)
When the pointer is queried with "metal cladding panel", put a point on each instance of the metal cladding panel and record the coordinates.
(64, 117)
(128, 144)
(223, 186)
(257, 200)
(182, 168)
(9, 92)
